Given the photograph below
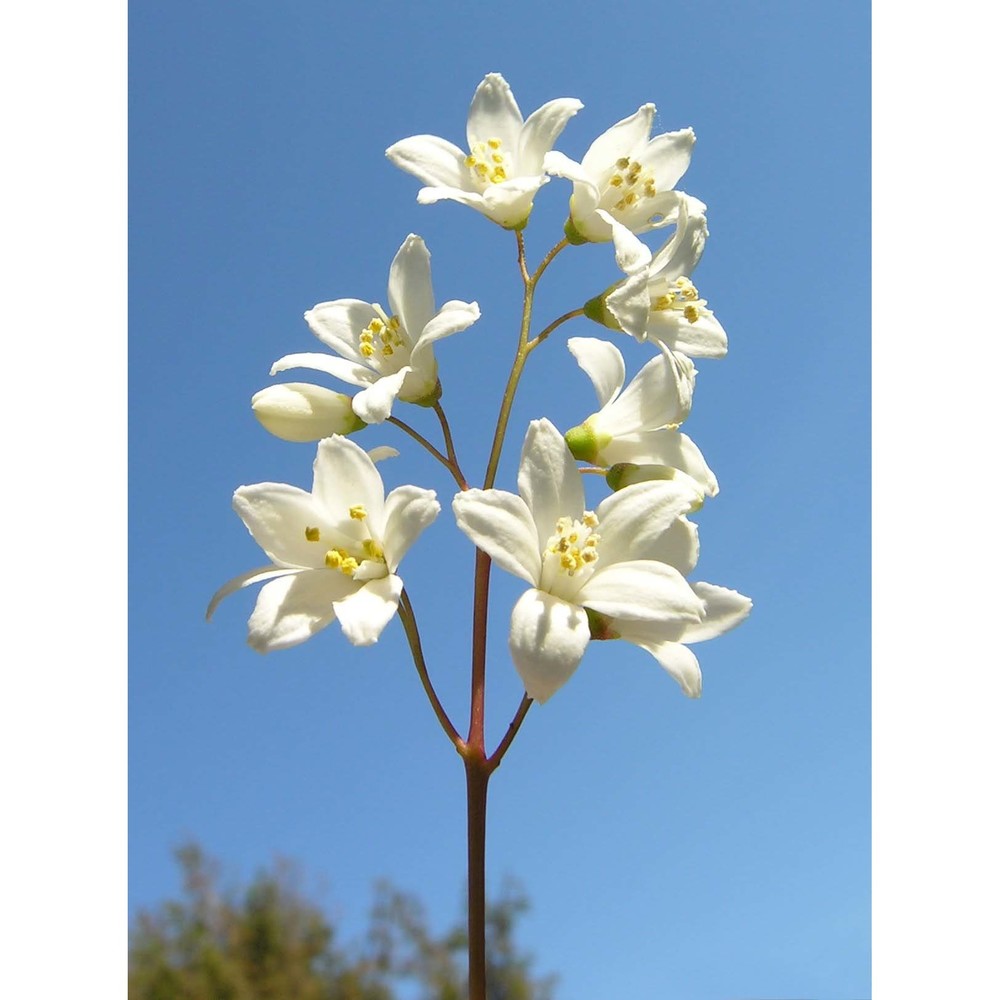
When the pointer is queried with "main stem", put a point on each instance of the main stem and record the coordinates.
(479, 767)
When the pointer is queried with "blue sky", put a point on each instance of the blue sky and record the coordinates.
(700, 850)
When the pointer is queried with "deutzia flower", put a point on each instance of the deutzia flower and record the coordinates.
(658, 301)
(334, 552)
(389, 354)
(625, 176)
(503, 170)
(638, 425)
(616, 572)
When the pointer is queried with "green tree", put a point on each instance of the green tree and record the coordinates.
(268, 941)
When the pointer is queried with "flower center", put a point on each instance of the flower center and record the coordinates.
(628, 184)
(342, 559)
(680, 296)
(383, 339)
(574, 544)
(488, 163)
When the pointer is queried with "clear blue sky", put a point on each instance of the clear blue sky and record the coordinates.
(698, 850)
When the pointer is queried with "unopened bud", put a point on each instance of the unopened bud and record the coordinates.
(298, 411)
(628, 474)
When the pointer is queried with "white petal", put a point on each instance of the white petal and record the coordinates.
(374, 404)
(381, 452)
(642, 590)
(541, 131)
(338, 324)
(677, 660)
(294, 608)
(411, 296)
(668, 156)
(494, 114)
(432, 195)
(367, 611)
(548, 479)
(346, 371)
(619, 140)
(725, 609)
(602, 362)
(681, 253)
(344, 477)
(635, 520)
(258, 575)
(408, 510)
(631, 254)
(548, 638)
(704, 338)
(452, 317)
(629, 305)
(501, 525)
(659, 395)
(277, 515)
(586, 195)
(432, 160)
(509, 203)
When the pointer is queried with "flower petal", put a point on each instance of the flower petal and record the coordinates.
(586, 195)
(619, 140)
(277, 515)
(540, 132)
(501, 525)
(381, 452)
(677, 660)
(548, 638)
(631, 254)
(408, 510)
(411, 295)
(668, 156)
(364, 613)
(641, 590)
(634, 521)
(338, 324)
(494, 114)
(659, 395)
(374, 404)
(294, 608)
(602, 362)
(432, 160)
(681, 253)
(345, 477)
(453, 317)
(725, 609)
(258, 575)
(346, 371)
(548, 479)
(629, 305)
(299, 411)
(509, 203)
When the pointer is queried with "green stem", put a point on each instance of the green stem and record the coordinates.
(572, 314)
(449, 444)
(409, 621)
(443, 459)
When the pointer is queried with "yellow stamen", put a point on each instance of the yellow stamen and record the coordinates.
(312, 534)
(358, 512)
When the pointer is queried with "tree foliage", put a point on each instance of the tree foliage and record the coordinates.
(268, 941)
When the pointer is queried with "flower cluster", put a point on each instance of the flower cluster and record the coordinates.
(618, 568)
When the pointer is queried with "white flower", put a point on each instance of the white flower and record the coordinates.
(638, 425)
(297, 411)
(617, 572)
(334, 552)
(389, 354)
(625, 176)
(658, 301)
(503, 170)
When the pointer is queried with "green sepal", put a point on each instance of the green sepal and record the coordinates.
(431, 398)
(573, 235)
(583, 443)
(600, 626)
(597, 310)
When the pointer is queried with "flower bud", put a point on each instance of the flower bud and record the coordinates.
(297, 411)
(628, 473)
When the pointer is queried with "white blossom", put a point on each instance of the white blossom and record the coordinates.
(334, 551)
(503, 168)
